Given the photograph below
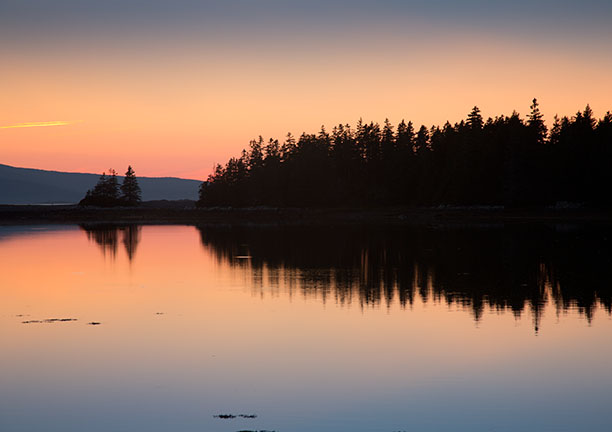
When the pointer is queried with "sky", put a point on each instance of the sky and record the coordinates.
(173, 87)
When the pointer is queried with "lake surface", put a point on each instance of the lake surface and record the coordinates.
(162, 328)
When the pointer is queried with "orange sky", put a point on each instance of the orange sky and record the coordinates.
(175, 101)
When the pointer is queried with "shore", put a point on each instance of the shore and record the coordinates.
(38, 214)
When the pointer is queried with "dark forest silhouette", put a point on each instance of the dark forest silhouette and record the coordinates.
(108, 192)
(502, 161)
(506, 269)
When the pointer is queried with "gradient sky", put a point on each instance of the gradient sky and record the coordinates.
(172, 87)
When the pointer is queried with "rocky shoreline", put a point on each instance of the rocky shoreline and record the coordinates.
(188, 214)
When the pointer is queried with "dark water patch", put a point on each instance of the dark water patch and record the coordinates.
(233, 416)
(49, 320)
(260, 430)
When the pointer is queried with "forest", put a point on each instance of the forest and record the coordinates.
(503, 161)
(108, 193)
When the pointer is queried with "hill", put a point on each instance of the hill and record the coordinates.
(34, 186)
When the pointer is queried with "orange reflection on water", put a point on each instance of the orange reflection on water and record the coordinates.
(184, 330)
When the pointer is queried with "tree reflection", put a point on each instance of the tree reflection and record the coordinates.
(106, 236)
(502, 268)
(131, 238)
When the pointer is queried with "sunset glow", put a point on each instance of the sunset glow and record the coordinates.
(173, 90)
(291, 215)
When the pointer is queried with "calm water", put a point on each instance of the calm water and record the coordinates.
(310, 329)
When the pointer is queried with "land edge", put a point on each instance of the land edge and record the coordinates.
(33, 214)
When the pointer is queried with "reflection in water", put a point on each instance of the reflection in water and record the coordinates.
(107, 237)
(507, 269)
(176, 336)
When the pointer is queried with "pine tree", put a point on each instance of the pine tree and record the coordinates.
(288, 147)
(421, 141)
(475, 119)
(387, 141)
(130, 190)
(256, 155)
(555, 131)
(536, 122)
(111, 188)
(105, 193)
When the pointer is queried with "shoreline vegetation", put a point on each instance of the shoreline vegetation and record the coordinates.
(185, 212)
(108, 192)
(497, 170)
(503, 161)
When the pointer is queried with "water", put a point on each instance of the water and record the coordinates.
(309, 328)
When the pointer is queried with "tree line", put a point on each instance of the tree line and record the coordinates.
(506, 160)
(108, 193)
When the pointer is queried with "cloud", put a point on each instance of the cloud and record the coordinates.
(37, 124)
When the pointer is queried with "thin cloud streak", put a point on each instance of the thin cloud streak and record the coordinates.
(37, 124)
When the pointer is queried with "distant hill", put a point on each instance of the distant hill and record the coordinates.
(33, 186)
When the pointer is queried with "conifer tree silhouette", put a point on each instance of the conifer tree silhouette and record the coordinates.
(130, 190)
(504, 161)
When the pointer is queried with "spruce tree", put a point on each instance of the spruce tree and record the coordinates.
(421, 141)
(111, 188)
(536, 122)
(105, 193)
(130, 190)
(475, 119)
